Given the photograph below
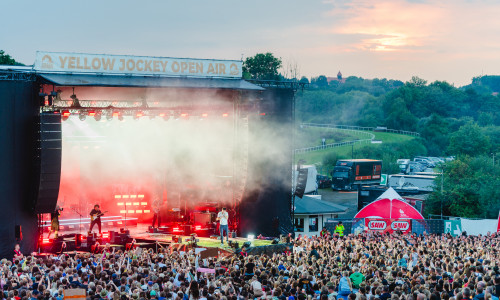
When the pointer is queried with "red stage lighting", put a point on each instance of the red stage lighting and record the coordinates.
(205, 115)
(45, 241)
(177, 229)
(162, 114)
(184, 115)
(115, 114)
(91, 113)
(139, 114)
(262, 114)
(225, 115)
(197, 227)
(66, 113)
(105, 235)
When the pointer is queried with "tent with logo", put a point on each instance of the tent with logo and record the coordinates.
(389, 205)
(498, 225)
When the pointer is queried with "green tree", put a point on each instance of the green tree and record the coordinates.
(6, 59)
(322, 81)
(470, 189)
(262, 66)
(304, 80)
(469, 140)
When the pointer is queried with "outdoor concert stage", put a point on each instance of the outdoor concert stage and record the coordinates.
(183, 137)
(137, 236)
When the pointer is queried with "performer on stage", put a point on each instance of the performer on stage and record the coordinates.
(222, 217)
(156, 210)
(95, 217)
(54, 221)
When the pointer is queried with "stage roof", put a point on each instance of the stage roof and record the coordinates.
(310, 205)
(146, 81)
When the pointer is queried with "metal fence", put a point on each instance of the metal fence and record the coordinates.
(353, 129)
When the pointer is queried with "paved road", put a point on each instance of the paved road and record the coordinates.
(347, 199)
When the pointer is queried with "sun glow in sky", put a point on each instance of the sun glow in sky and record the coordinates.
(451, 40)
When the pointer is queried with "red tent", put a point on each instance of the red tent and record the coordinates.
(498, 226)
(389, 205)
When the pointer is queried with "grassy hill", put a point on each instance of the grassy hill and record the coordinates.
(317, 157)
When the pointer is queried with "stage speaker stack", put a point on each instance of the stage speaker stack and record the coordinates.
(187, 229)
(115, 237)
(78, 240)
(48, 159)
(300, 188)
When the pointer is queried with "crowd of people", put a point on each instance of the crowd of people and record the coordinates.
(362, 267)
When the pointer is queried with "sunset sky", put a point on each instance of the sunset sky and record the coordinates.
(436, 40)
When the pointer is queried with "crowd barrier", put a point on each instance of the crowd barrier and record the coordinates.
(455, 227)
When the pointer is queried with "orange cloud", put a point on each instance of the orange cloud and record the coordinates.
(388, 25)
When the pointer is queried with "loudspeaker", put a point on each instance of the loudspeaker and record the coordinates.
(115, 237)
(301, 183)
(78, 240)
(49, 161)
(187, 229)
(19, 232)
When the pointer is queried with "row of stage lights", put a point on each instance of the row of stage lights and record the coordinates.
(110, 115)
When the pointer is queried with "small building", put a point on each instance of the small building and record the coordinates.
(311, 214)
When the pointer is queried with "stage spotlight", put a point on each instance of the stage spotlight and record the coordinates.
(65, 114)
(225, 115)
(42, 100)
(138, 115)
(203, 116)
(82, 116)
(250, 237)
(115, 114)
(91, 113)
(97, 116)
(165, 116)
(185, 116)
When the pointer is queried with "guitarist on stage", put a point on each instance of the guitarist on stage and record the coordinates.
(95, 217)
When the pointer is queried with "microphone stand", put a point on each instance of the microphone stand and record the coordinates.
(81, 216)
(125, 215)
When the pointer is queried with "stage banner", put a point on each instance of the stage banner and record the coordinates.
(136, 65)
(388, 225)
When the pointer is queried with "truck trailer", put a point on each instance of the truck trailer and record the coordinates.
(348, 174)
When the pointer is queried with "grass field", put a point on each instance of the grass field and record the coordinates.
(312, 136)
(317, 156)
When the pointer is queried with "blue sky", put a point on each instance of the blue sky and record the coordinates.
(436, 40)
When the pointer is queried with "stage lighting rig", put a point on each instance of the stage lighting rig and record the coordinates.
(98, 115)
(164, 115)
(50, 98)
(65, 114)
(41, 97)
(75, 103)
(138, 115)
(82, 115)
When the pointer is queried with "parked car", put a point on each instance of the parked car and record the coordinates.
(323, 181)
(425, 161)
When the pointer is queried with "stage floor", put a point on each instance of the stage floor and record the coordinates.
(141, 232)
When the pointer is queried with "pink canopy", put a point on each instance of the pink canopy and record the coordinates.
(389, 206)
